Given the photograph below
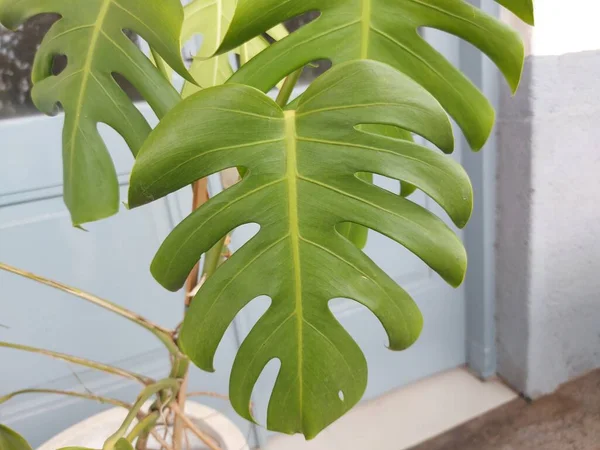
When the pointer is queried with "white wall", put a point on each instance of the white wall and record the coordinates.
(566, 26)
(548, 290)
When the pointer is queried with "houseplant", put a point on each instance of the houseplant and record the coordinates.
(298, 162)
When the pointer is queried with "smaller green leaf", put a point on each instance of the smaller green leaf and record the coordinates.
(211, 19)
(123, 444)
(75, 448)
(11, 440)
(523, 9)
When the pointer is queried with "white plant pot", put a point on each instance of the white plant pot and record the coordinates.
(92, 433)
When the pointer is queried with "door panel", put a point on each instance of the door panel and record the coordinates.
(111, 260)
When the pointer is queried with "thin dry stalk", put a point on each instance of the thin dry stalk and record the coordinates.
(200, 197)
(208, 394)
(208, 441)
(178, 430)
(163, 443)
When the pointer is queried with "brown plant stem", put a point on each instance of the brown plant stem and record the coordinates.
(208, 394)
(207, 440)
(199, 197)
(160, 440)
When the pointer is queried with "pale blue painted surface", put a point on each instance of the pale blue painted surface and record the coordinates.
(112, 260)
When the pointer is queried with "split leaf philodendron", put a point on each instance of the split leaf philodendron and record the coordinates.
(92, 39)
(212, 19)
(301, 184)
(307, 170)
(387, 31)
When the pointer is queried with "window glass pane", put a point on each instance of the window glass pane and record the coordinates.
(17, 50)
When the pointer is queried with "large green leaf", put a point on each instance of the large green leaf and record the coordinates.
(388, 31)
(10, 440)
(91, 35)
(357, 233)
(299, 186)
(211, 19)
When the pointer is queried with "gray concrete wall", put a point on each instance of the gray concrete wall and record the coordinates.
(548, 249)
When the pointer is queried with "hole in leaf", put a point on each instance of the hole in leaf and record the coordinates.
(360, 322)
(445, 43)
(261, 394)
(341, 395)
(301, 20)
(241, 235)
(59, 63)
(127, 87)
(116, 146)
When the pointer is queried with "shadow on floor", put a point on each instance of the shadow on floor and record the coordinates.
(566, 420)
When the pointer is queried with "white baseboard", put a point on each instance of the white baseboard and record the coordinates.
(408, 416)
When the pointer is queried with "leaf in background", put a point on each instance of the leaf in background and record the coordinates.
(299, 186)
(10, 440)
(123, 444)
(76, 448)
(211, 19)
(91, 36)
(521, 8)
(357, 234)
(387, 31)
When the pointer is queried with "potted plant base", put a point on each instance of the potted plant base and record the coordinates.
(92, 432)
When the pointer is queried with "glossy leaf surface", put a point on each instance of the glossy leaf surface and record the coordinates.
(123, 444)
(90, 34)
(211, 19)
(387, 31)
(521, 8)
(11, 440)
(299, 186)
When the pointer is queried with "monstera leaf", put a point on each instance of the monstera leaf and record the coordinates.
(359, 234)
(521, 8)
(90, 34)
(10, 440)
(299, 186)
(387, 31)
(211, 19)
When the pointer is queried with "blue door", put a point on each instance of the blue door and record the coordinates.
(112, 260)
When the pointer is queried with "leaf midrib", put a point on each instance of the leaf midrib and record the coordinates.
(292, 181)
(365, 37)
(87, 68)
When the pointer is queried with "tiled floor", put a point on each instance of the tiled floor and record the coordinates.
(408, 416)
